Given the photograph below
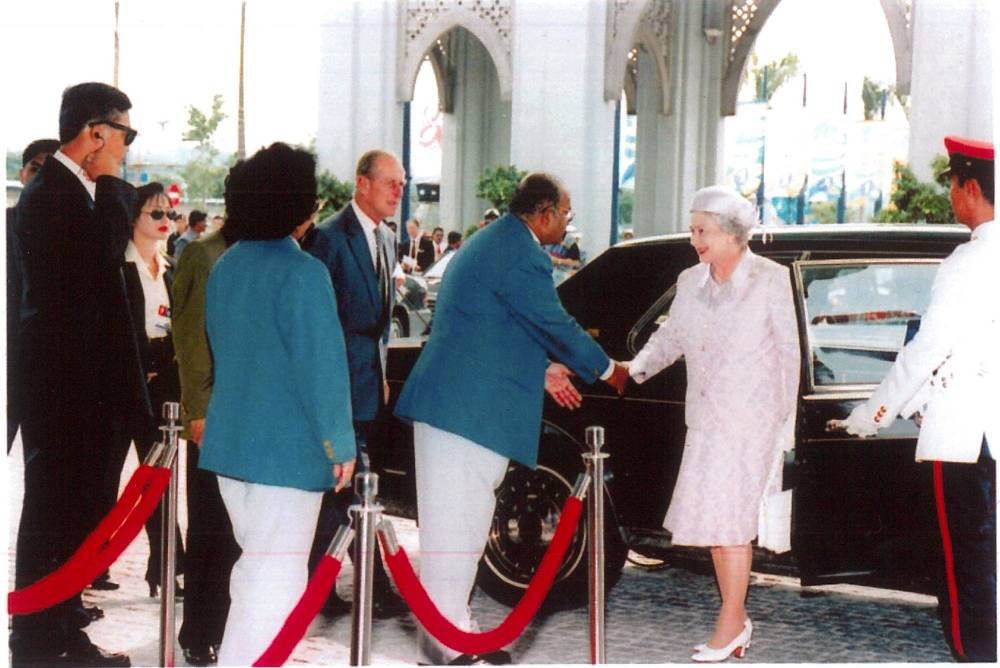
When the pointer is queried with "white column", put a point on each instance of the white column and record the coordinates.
(357, 101)
(953, 78)
(559, 119)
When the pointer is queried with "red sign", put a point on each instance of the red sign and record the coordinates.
(174, 194)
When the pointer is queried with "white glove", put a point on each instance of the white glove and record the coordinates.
(861, 422)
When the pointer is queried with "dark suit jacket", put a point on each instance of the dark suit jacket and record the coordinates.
(341, 245)
(425, 252)
(156, 357)
(79, 353)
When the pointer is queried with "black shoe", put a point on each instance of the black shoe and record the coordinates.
(104, 585)
(89, 654)
(498, 658)
(335, 607)
(387, 605)
(83, 616)
(201, 656)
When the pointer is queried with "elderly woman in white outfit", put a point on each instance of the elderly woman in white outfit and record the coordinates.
(733, 320)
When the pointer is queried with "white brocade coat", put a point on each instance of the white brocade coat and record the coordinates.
(740, 343)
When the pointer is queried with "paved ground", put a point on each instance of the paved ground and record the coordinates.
(653, 616)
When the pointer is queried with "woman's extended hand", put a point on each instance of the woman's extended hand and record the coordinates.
(342, 474)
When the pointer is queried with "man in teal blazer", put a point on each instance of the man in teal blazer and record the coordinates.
(475, 394)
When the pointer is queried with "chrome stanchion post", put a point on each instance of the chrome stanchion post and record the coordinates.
(595, 541)
(168, 535)
(363, 516)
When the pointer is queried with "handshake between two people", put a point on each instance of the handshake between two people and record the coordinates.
(560, 387)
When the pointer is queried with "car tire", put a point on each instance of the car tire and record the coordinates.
(529, 504)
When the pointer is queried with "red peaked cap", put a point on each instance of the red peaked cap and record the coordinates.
(970, 148)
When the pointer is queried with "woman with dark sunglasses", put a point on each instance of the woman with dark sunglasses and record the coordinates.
(148, 286)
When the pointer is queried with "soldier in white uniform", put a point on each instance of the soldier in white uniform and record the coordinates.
(949, 375)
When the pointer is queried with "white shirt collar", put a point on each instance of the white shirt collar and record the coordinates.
(985, 230)
(367, 223)
(132, 255)
(77, 171)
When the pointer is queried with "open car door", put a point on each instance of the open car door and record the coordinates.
(862, 510)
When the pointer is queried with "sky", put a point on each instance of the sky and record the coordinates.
(181, 53)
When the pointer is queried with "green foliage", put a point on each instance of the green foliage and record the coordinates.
(497, 185)
(334, 193)
(915, 201)
(626, 204)
(823, 213)
(871, 97)
(778, 73)
(205, 175)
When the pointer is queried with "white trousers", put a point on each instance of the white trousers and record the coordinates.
(456, 483)
(275, 527)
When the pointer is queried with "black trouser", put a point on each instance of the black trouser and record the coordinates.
(145, 433)
(211, 553)
(969, 515)
(63, 503)
(333, 513)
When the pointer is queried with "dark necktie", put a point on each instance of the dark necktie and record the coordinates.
(381, 273)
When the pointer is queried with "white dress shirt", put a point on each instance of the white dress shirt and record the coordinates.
(154, 293)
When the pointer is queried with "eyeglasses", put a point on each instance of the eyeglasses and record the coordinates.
(569, 213)
(130, 134)
(157, 214)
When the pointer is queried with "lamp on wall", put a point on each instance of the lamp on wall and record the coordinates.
(711, 19)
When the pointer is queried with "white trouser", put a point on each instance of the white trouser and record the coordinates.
(456, 479)
(274, 526)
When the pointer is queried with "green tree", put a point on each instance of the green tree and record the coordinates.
(205, 174)
(333, 192)
(915, 201)
(626, 204)
(497, 185)
(871, 96)
(769, 77)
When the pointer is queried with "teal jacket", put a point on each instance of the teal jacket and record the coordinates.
(280, 411)
(497, 321)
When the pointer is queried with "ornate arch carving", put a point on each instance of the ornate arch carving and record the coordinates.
(744, 21)
(899, 15)
(648, 24)
(424, 23)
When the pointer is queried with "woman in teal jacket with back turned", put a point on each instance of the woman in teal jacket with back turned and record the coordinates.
(278, 431)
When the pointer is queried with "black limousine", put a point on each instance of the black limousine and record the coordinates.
(862, 510)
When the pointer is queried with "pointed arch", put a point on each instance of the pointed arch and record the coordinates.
(417, 44)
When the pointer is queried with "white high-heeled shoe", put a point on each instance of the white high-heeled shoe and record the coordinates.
(737, 647)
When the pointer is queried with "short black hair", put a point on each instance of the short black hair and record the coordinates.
(271, 193)
(196, 217)
(146, 193)
(454, 236)
(965, 168)
(87, 102)
(536, 192)
(38, 147)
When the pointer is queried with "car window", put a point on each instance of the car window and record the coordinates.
(858, 314)
(651, 321)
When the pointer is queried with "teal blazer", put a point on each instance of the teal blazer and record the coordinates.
(280, 411)
(497, 321)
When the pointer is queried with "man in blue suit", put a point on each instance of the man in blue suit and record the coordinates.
(360, 254)
(475, 394)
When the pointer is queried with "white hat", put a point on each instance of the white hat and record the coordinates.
(726, 202)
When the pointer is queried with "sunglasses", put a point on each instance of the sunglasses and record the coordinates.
(157, 214)
(130, 134)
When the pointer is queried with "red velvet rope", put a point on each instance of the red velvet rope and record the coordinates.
(322, 581)
(508, 631)
(81, 568)
(136, 486)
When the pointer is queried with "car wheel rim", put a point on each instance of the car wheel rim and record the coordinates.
(528, 509)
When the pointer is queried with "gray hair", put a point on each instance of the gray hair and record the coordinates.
(733, 213)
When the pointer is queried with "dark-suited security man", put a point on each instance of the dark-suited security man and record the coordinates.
(949, 374)
(82, 378)
(32, 159)
(360, 253)
(475, 394)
